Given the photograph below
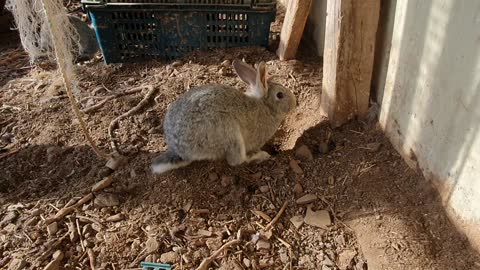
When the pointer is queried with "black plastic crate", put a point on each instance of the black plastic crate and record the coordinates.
(141, 30)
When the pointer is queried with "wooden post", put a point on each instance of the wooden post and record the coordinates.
(292, 28)
(348, 56)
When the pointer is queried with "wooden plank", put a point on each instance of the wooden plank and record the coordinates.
(350, 32)
(292, 29)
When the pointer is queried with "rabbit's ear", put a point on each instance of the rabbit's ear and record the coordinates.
(245, 72)
(261, 80)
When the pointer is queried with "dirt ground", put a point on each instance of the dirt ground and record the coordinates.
(351, 201)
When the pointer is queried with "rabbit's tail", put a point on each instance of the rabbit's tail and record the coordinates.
(167, 161)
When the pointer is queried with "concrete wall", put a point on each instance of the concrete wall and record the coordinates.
(430, 102)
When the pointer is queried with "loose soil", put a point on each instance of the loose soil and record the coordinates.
(383, 214)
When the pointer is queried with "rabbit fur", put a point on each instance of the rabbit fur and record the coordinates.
(214, 122)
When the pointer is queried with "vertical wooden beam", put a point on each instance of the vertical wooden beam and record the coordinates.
(292, 28)
(348, 57)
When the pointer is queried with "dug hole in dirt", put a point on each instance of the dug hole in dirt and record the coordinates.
(349, 200)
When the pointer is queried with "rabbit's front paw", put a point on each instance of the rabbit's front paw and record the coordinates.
(259, 157)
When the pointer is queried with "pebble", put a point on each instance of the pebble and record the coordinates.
(106, 200)
(58, 255)
(306, 199)
(323, 148)
(169, 257)
(304, 153)
(115, 218)
(52, 228)
(326, 261)
(256, 176)
(96, 227)
(264, 189)
(17, 264)
(284, 257)
(226, 63)
(226, 181)
(298, 189)
(247, 262)
(214, 243)
(100, 237)
(204, 232)
(295, 167)
(263, 244)
(152, 245)
(297, 221)
(213, 176)
(8, 218)
(345, 258)
(373, 147)
(319, 218)
(36, 212)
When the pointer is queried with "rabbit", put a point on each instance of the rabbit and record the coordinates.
(214, 122)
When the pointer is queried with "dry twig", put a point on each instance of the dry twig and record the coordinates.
(114, 124)
(207, 261)
(277, 217)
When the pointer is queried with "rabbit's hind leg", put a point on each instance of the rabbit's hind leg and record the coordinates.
(168, 161)
(236, 154)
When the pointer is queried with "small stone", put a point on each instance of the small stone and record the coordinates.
(319, 219)
(247, 262)
(214, 243)
(263, 244)
(304, 153)
(203, 232)
(52, 228)
(226, 63)
(297, 189)
(100, 237)
(284, 257)
(306, 199)
(226, 181)
(264, 189)
(10, 228)
(255, 238)
(345, 258)
(169, 257)
(17, 264)
(152, 245)
(96, 227)
(223, 71)
(297, 221)
(256, 176)
(58, 255)
(213, 176)
(323, 147)
(115, 218)
(8, 218)
(326, 261)
(373, 147)
(295, 167)
(106, 200)
(36, 212)
(88, 243)
(331, 180)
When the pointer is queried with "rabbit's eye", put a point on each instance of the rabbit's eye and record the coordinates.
(279, 95)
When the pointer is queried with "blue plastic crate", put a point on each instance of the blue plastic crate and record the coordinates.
(137, 30)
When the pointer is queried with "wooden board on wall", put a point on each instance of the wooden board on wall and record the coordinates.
(350, 32)
(292, 29)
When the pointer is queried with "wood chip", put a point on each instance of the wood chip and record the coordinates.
(295, 167)
(306, 199)
(297, 221)
(319, 219)
(102, 184)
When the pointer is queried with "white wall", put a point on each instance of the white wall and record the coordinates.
(430, 106)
